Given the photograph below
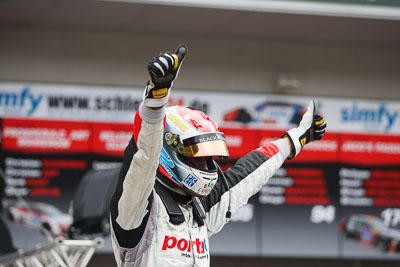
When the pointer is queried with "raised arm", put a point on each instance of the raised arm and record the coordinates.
(131, 200)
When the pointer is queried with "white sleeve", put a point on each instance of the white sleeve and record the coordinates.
(245, 179)
(140, 178)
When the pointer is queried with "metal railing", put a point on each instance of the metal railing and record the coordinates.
(60, 253)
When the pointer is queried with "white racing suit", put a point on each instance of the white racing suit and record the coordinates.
(143, 233)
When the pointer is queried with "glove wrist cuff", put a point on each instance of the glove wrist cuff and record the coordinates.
(151, 115)
(159, 85)
(294, 140)
(155, 97)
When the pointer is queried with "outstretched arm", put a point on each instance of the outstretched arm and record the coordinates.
(253, 170)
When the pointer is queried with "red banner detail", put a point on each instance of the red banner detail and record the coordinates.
(64, 164)
(37, 136)
(382, 184)
(50, 173)
(51, 136)
(240, 141)
(304, 172)
(306, 190)
(37, 182)
(51, 192)
(309, 182)
(307, 200)
(388, 192)
(386, 202)
(325, 150)
(111, 138)
(389, 174)
(370, 149)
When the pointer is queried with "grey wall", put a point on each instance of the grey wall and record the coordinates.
(250, 65)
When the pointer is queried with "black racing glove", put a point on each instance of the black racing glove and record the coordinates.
(163, 70)
(312, 127)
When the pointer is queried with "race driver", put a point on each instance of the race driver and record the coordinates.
(171, 195)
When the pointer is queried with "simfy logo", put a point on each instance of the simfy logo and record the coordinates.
(24, 100)
(372, 117)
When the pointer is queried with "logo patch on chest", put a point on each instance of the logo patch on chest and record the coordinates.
(186, 247)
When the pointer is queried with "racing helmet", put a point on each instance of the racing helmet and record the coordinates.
(191, 141)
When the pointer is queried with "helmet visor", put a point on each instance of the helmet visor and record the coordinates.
(210, 144)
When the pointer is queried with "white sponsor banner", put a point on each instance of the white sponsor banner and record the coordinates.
(68, 102)
(116, 104)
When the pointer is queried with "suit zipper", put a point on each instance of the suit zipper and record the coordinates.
(190, 234)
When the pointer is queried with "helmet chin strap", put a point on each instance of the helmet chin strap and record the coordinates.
(174, 189)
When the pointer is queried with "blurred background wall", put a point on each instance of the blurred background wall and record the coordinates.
(109, 43)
